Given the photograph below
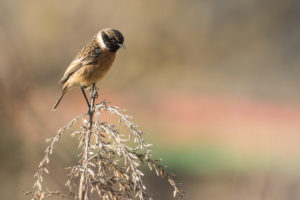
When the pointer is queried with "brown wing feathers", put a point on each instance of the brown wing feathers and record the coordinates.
(87, 55)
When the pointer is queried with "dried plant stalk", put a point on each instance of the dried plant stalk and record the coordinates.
(108, 165)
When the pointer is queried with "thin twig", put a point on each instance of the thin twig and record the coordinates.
(84, 179)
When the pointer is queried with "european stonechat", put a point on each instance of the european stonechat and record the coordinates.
(92, 62)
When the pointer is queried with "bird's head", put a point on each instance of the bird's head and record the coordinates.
(111, 39)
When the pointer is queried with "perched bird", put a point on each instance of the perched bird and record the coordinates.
(92, 62)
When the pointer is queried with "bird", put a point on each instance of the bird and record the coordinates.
(92, 62)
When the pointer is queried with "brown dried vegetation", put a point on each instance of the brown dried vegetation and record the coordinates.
(109, 166)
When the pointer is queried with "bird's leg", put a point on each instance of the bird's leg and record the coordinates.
(87, 101)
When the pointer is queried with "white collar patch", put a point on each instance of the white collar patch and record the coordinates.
(100, 40)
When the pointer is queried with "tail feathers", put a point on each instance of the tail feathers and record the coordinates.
(62, 93)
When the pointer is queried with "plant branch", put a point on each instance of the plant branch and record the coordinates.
(84, 179)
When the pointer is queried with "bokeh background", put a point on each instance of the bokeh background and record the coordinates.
(214, 84)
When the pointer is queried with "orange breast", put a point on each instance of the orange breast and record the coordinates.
(104, 63)
(90, 74)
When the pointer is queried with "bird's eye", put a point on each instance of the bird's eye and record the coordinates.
(112, 39)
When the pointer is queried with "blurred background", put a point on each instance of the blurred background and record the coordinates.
(214, 84)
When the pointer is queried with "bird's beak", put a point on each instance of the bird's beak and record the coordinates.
(122, 46)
